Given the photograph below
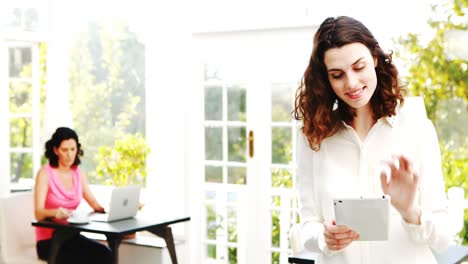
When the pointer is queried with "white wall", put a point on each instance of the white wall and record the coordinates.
(379, 17)
(57, 110)
(167, 82)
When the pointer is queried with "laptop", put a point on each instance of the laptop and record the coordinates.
(123, 204)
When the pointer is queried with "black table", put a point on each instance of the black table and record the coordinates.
(113, 231)
(305, 257)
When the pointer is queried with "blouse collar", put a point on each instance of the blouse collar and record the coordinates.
(391, 120)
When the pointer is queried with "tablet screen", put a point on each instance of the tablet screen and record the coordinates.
(367, 216)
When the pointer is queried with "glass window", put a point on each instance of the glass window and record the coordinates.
(27, 19)
(107, 86)
(26, 94)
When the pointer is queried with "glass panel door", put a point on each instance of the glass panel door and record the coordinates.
(249, 84)
(283, 206)
(225, 166)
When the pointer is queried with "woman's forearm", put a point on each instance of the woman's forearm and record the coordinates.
(43, 213)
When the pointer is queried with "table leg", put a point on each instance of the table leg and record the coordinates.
(58, 238)
(166, 233)
(114, 242)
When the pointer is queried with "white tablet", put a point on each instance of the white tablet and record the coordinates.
(367, 216)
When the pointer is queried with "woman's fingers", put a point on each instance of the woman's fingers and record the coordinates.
(403, 162)
(333, 228)
(67, 212)
(62, 213)
(334, 244)
(400, 168)
(337, 247)
(416, 178)
(332, 236)
(384, 182)
(409, 167)
(346, 235)
(339, 237)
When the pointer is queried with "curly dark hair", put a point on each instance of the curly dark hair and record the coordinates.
(61, 134)
(315, 98)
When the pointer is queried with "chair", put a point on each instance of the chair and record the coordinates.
(17, 236)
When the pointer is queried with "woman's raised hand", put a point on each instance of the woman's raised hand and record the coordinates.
(338, 237)
(401, 186)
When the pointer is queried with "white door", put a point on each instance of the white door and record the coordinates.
(249, 202)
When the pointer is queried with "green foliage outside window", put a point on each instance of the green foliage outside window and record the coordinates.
(442, 78)
(124, 163)
(20, 99)
(275, 235)
(107, 91)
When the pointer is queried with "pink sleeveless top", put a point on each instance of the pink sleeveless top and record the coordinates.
(58, 196)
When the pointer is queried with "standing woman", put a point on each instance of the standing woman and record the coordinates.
(60, 186)
(354, 124)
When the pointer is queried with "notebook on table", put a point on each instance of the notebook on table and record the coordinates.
(123, 204)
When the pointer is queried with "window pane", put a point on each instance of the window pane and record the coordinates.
(281, 103)
(281, 145)
(211, 225)
(21, 166)
(31, 19)
(275, 228)
(210, 195)
(232, 255)
(237, 175)
(232, 214)
(107, 84)
(275, 201)
(13, 18)
(20, 97)
(211, 72)
(232, 224)
(236, 103)
(213, 103)
(275, 257)
(232, 197)
(20, 59)
(21, 132)
(211, 251)
(21, 19)
(281, 178)
(213, 143)
(214, 174)
(237, 144)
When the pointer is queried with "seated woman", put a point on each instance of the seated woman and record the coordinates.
(60, 186)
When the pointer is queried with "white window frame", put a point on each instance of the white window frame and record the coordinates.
(4, 122)
(35, 114)
(13, 37)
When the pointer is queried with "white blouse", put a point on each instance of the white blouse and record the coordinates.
(345, 166)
